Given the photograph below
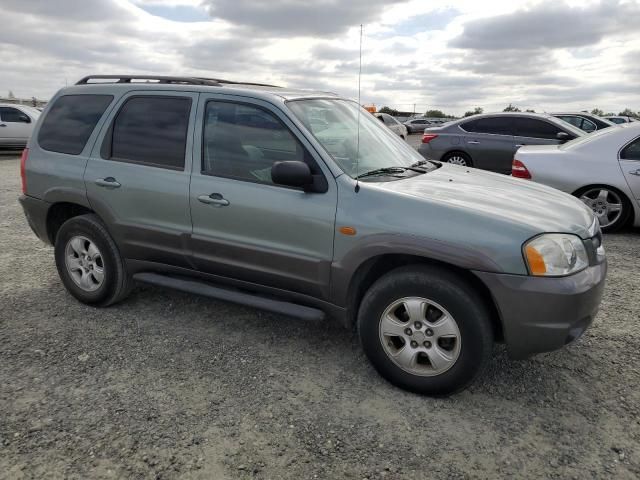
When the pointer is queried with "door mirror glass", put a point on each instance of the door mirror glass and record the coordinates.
(292, 173)
(563, 136)
(24, 118)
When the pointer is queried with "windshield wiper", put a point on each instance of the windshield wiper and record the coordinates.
(382, 171)
(419, 163)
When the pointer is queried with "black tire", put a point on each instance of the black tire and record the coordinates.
(627, 208)
(116, 283)
(449, 158)
(457, 297)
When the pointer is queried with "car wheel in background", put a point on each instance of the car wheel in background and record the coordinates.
(608, 204)
(425, 330)
(458, 158)
(89, 263)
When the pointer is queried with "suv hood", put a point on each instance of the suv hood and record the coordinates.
(530, 205)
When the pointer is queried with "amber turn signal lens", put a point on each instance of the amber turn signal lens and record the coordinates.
(535, 260)
(347, 230)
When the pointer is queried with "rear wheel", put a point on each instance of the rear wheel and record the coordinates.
(89, 263)
(610, 206)
(458, 158)
(425, 330)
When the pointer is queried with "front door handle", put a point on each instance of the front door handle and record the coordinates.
(214, 199)
(108, 182)
(473, 142)
(636, 173)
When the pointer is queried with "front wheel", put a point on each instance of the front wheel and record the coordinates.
(425, 330)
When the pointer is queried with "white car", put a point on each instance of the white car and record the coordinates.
(393, 124)
(602, 169)
(16, 124)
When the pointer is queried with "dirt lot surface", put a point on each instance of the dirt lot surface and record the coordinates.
(169, 385)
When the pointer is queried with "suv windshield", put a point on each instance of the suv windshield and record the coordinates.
(334, 123)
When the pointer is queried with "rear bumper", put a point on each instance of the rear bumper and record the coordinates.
(543, 314)
(36, 212)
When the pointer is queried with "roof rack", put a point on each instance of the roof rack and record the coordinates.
(165, 79)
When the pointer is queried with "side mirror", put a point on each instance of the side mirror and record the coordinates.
(24, 118)
(292, 173)
(563, 136)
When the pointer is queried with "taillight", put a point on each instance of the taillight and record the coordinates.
(23, 171)
(427, 137)
(519, 170)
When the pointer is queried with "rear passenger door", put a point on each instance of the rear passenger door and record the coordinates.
(490, 143)
(630, 165)
(245, 227)
(137, 177)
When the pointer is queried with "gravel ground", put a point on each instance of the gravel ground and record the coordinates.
(168, 385)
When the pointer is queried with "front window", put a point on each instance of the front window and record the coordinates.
(356, 149)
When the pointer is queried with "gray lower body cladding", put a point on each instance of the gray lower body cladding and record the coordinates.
(541, 314)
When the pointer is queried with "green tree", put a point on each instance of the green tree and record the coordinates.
(598, 112)
(389, 111)
(511, 108)
(627, 112)
(435, 114)
(530, 111)
(475, 111)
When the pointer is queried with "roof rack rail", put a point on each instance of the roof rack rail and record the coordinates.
(166, 80)
(154, 78)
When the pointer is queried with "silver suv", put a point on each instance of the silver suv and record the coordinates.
(303, 204)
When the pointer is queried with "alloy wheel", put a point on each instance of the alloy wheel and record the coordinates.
(84, 263)
(420, 336)
(606, 205)
(458, 160)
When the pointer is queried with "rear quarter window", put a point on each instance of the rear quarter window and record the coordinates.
(70, 122)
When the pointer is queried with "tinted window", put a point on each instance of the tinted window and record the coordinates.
(152, 130)
(13, 115)
(243, 142)
(534, 128)
(632, 151)
(494, 125)
(70, 121)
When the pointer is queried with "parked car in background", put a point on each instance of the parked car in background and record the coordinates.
(393, 124)
(16, 125)
(584, 121)
(228, 190)
(416, 125)
(620, 119)
(489, 141)
(601, 169)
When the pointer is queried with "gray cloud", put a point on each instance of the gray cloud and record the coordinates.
(550, 24)
(281, 18)
(325, 51)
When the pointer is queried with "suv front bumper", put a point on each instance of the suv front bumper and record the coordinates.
(541, 314)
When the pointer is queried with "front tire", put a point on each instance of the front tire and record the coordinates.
(425, 329)
(89, 262)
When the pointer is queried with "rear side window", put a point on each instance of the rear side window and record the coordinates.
(70, 122)
(631, 151)
(151, 131)
(534, 128)
(13, 115)
(494, 125)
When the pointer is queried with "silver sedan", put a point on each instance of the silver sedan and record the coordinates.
(602, 169)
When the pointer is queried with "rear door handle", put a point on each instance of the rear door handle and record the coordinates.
(473, 142)
(636, 173)
(214, 199)
(108, 182)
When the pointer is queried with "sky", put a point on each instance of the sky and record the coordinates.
(450, 55)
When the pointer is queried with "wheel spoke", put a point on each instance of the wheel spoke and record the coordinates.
(391, 326)
(406, 356)
(73, 263)
(438, 358)
(586, 199)
(93, 250)
(85, 281)
(445, 327)
(603, 195)
(415, 309)
(614, 207)
(77, 244)
(98, 275)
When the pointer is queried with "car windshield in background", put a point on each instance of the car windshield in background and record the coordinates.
(334, 123)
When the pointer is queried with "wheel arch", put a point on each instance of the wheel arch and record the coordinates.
(59, 213)
(374, 268)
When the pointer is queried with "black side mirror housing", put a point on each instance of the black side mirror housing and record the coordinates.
(25, 119)
(292, 173)
(563, 136)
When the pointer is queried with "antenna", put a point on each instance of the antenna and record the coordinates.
(357, 189)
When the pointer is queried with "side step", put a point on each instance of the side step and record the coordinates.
(233, 296)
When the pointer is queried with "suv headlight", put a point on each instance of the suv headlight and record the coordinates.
(555, 255)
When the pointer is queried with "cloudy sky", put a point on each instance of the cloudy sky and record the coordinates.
(446, 54)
